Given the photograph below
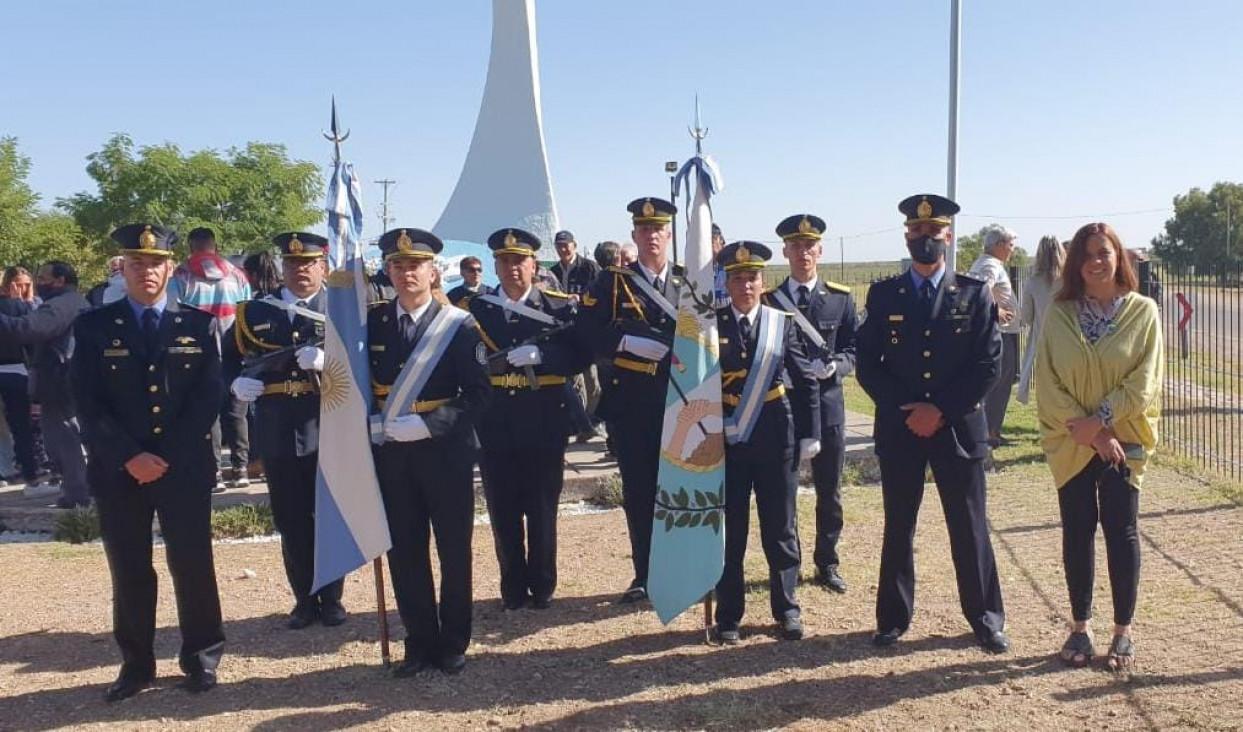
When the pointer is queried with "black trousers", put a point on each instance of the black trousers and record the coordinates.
(1101, 493)
(125, 513)
(524, 485)
(13, 391)
(291, 488)
(960, 484)
(638, 459)
(428, 488)
(826, 472)
(774, 478)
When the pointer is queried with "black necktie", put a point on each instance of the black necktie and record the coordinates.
(744, 329)
(407, 331)
(659, 284)
(151, 330)
(928, 295)
(802, 297)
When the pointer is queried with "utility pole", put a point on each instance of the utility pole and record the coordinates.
(951, 185)
(385, 219)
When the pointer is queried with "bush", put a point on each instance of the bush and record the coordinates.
(608, 493)
(77, 526)
(242, 521)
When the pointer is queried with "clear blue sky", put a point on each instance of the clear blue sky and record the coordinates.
(1069, 108)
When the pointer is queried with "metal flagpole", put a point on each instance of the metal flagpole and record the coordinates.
(336, 138)
(951, 186)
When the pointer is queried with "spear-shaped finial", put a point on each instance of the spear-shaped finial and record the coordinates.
(698, 132)
(336, 138)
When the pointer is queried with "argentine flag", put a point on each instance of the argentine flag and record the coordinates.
(351, 528)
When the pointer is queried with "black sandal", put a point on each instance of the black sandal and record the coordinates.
(1121, 654)
(1077, 652)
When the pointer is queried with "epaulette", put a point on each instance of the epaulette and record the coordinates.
(621, 270)
(557, 293)
(970, 279)
(837, 287)
(376, 304)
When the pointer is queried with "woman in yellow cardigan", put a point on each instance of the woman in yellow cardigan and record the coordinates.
(1098, 383)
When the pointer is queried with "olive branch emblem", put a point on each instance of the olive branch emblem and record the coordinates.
(683, 510)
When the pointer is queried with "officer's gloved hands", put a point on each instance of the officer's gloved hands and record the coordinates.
(310, 358)
(525, 356)
(246, 389)
(406, 428)
(808, 448)
(823, 370)
(652, 350)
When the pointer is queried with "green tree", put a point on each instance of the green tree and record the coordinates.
(30, 237)
(1197, 234)
(245, 195)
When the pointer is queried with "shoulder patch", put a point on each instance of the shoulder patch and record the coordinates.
(377, 304)
(837, 287)
(557, 293)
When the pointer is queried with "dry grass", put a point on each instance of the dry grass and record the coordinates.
(588, 663)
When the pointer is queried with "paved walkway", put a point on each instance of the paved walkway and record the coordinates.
(588, 469)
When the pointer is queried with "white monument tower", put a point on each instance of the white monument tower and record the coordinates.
(505, 179)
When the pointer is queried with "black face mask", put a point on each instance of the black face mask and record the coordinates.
(926, 249)
(46, 291)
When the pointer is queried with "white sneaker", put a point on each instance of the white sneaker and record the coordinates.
(40, 490)
(242, 482)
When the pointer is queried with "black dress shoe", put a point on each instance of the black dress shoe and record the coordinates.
(884, 638)
(199, 681)
(829, 578)
(792, 628)
(302, 615)
(332, 613)
(513, 605)
(453, 664)
(410, 668)
(994, 641)
(727, 636)
(541, 602)
(635, 593)
(124, 688)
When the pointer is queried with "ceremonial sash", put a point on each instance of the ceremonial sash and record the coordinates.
(520, 308)
(800, 320)
(291, 308)
(769, 352)
(419, 365)
(646, 288)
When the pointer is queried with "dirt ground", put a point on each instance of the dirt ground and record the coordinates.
(588, 663)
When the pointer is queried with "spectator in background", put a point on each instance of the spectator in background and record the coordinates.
(1039, 289)
(607, 254)
(629, 253)
(16, 293)
(721, 294)
(574, 273)
(264, 275)
(112, 288)
(210, 282)
(1149, 282)
(999, 244)
(49, 329)
(471, 270)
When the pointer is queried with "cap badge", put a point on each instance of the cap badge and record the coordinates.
(742, 255)
(146, 240)
(510, 240)
(924, 210)
(405, 244)
(805, 227)
(295, 245)
(648, 209)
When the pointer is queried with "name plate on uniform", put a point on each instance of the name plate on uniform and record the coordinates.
(261, 326)
(378, 348)
(896, 318)
(184, 349)
(116, 352)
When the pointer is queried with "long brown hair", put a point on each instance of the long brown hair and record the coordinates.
(1072, 274)
(1050, 257)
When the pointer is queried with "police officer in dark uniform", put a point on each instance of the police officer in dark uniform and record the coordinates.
(427, 449)
(829, 310)
(284, 346)
(929, 350)
(764, 455)
(524, 430)
(624, 322)
(146, 375)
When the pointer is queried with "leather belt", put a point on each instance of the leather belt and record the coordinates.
(772, 395)
(643, 367)
(419, 407)
(290, 388)
(520, 381)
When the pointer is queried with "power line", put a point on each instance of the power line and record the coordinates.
(1090, 217)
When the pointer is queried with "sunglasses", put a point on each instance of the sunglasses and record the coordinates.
(473, 269)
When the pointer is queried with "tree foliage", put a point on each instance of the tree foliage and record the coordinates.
(245, 195)
(1197, 234)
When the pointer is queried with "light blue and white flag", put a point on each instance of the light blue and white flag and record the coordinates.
(351, 528)
(688, 540)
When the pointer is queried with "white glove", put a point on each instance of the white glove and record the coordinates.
(406, 428)
(823, 370)
(310, 358)
(648, 348)
(808, 448)
(525, 356)
(246, 389)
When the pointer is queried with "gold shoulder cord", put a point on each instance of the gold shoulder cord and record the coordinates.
(484, 336)
(638, 308)
(244, 329)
